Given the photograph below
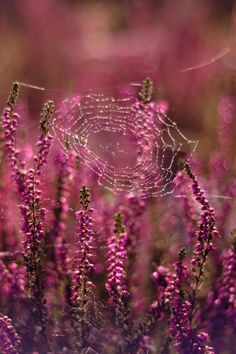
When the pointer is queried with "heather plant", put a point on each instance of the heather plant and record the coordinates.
(145, 270)
(10, 341)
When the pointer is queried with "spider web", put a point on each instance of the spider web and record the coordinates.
(132, 146)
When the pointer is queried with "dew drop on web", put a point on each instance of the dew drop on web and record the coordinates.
(129, 142)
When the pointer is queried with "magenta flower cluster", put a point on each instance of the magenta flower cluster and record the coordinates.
(83, 259)
(9, 339)
(117, 257)
(86, 271)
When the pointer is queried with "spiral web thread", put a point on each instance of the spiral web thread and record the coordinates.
(129, 142)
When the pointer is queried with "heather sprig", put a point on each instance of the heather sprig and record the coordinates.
(65, 173)
(14, 93)
(5, 277)
(33, 227)
(33, 213)
(83, 259)
(220, 309)
(184, 292)
(9, 339)
(191, 214)
(117, 256)
(186, 338)
(82, 285)
(132, 213)
(116, 285)
(134, 220)
(27, 182)
(163, 279)
(145, 127)
(46, 115)
(206, 233)
(145, 94)
(13, 280)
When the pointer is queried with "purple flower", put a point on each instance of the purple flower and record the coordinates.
(65, 172)
(187, 340)
(117, 256)
(28, 182)
(83, 258)
(13, 280)
(220, 310)
(163, 280)
(9, 339)
(32, 212)
(191, 214)
(207, 231)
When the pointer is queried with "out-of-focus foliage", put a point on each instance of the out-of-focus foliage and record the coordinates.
(62, 45)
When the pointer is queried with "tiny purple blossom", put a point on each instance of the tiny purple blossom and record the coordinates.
(117, 256)
(187, 340)
(221, 302)
(83, 258)
(65, 173)
(9, 339)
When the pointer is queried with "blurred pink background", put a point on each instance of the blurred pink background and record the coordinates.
(79, 45)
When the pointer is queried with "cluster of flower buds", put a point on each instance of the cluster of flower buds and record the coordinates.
(9, 339)
(117, 256)
(207, 230)
(83, 259)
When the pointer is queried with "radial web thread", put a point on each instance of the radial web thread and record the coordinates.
(130, 143)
